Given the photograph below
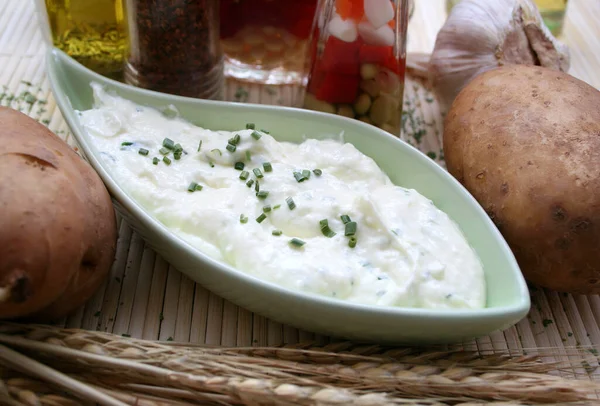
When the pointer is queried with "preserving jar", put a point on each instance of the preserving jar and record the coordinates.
(358, 60)
(93, 32)
(174, 47)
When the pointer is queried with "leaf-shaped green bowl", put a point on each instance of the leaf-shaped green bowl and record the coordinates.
(507, 294)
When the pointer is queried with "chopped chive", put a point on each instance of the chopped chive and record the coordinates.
(126, 143)
(276, 206)
(168, 143)
(256, 135)
(155, 160)
(296, 242)
(244, 175)
(345, 218)
(261, 218)
(299, 177)
(177, 156)
(352, 242)
(164, 151)
(239, 166)
(262, 194)
(192, 187)
(306, 173)
(166, 160)
(231, 147)
(235, 139)
(290, 203)
(199, 145)
(257, 173)
(265, 131)
(267, 167)
(276, 233)
(327, 232)
(317, 172)
(218, 150)
(143, 151)
(267, 208)
(257, 187)
(250, 183)
(178, 148)
(211, 164)
(243, 219)
(350, 228)
(248, 155)
(250, 126)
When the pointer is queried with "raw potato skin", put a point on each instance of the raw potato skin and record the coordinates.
(525, 141)
(57, 223)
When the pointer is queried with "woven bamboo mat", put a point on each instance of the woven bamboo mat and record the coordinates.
(145, 297)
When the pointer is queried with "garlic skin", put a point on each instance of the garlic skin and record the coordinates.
(480, 35)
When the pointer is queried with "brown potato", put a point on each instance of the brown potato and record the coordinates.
(525, 141)
(57, 223)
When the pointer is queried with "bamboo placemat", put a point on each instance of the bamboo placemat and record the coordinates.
(145, 297)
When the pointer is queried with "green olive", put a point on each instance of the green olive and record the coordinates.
(383, 109)
(312, 103)
(370, 87)
(362, 104)
(345, 110)
(368, 71)
(365, 119)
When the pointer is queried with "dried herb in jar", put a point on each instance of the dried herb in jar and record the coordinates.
(174, 47)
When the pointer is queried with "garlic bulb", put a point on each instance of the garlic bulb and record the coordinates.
(480, 35)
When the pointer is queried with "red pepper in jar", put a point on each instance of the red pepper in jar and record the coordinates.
(337, 88)
(340, 56)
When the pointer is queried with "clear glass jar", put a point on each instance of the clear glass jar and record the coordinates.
(358, 60)
(265, 40)
(93, 32)
(174, 47)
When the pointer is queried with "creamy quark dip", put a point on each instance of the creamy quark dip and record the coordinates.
(324, 218)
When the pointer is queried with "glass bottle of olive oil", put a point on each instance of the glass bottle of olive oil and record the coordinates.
(91, 31)
(552, 11)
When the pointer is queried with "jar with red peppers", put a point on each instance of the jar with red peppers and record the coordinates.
(358, 59)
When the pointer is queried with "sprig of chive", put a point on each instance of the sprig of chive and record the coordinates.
(168, 143)
(306, 173)
(350, 228)
(244, 175)
(243, 219)
(257, 187)
(261, 218)
(257, 173)
(317, 172)
(143, 151)
(262, 194)
(352, 242)
(266, 208)
(239, 166)
(126, 143)
(155, 160)
(296, 242)
(276, 233)
(276, 206)
(166, 160)
(193, 187)
(231, 147)
(345, 218)
(248, 155)
(290, 202)
(177, 148)
(250, 126)
(199, 145)
(235, 140)
(217, 150)
(299, 177)
(256, 135)
(267, 167)
(324, 226)
(164, 151)
(250, 183)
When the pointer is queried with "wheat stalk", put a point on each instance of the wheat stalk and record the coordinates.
(151, 373)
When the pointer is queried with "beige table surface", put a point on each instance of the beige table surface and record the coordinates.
(146, 298)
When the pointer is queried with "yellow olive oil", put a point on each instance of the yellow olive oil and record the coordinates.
(91, 31)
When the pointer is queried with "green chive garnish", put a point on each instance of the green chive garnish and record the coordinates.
(193, 187)
(327, 232)
(257, 173)
(177, 156)
(265, 131)
(250, 126)
(299, 177)
(211, 164)
(248, 155)
(230, 147)
(350, 228)
(345, 218)
(317, 172)
(290, 203)
(250, 183)
(306, 173)
(168, 143)
(266, 208)
(178, 148)
(267, 167)
(276, 233)
(235, 139)
(239, 166)
(276, 206)
(217, 150)
(155, 160)
(257, 187)
(261, 218)
(164, 151)
(352, 242)
(244, 175)
(199, 145)
(243, 219)
(166, 160)
(256, 135)
(296, 242)
(262, 194)
(126, 143)
(143, 151)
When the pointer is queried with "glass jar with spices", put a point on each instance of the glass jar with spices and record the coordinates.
(93, 32)
(174, 47)
(358, 59)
